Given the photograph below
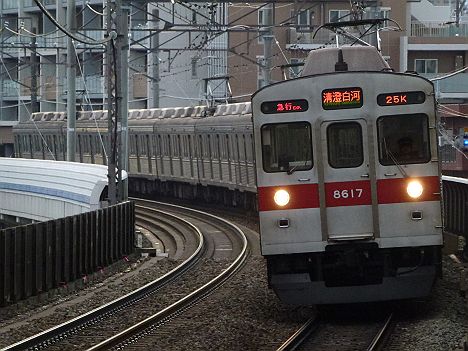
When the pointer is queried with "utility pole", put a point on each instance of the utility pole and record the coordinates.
(71, 86)
(34, 74)
(267, 42)
(117, 99)
(122, 88)
(154, 82)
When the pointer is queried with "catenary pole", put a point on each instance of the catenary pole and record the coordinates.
(71, 80)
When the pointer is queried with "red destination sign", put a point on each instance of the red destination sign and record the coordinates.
(284, 106)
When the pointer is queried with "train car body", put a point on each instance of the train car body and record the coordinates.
(186, 152)
(346, 214)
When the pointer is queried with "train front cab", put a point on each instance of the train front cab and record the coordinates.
(346, 215)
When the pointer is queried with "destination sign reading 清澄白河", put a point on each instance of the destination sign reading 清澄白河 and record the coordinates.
(341, 98)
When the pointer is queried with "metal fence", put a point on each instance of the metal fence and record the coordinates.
(456, 206)
(36, 258)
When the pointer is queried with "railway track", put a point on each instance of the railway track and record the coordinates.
(158, 299)
(318, 334)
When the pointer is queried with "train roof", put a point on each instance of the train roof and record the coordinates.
(241, 108)
(357, 58)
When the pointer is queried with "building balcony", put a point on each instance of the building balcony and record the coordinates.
(438, 30)
(302, 38)
(9, 4)
(94, 86)
(9, 89)
(137, 34)
(15, 42)
(454, 87)
(31, 3)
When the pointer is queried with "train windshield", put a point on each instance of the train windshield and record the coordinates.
(403, 139)
(287, 147)
(345, 145)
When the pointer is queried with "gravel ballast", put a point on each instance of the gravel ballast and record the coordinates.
(244, 314)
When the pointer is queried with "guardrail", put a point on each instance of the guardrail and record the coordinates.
(456, 206)
(36, 258)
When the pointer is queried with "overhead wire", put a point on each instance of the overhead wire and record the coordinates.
(89, 99)
(112, 35)
(93, 10)
(32, 119)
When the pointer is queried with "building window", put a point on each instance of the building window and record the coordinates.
(426, 65)
(261, 17)
(194, 17)
(459, 62)
(194, 69)
(339, 15)
(379, 12)
(303, 20)
(295, 71)
(260, 77)
(261, 23)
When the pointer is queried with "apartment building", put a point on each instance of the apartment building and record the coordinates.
(431, 42)
(169, 68)
(186, 63)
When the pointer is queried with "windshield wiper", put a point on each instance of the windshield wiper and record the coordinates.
(394, 160)
(291, 170)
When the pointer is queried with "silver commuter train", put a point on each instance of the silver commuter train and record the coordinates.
(348, 181)
(187, 152)
(350, 232)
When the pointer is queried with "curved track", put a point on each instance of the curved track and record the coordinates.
(142, 329)
(75, 328)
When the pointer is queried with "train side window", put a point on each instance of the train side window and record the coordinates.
(215, 147)
(250, 148)
(142, 147)
(184, 146)
(159, 146)
(133, 145)
(175, 146)
(403, 139)
(345, 145)
(286, 147)
(168, 145)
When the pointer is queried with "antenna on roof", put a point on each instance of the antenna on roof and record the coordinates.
(340, 65)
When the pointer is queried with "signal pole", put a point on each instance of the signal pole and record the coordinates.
(117, 99)
(267, 41)
(34, 74)
(71, 86)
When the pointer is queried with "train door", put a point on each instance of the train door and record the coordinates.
(346, 181)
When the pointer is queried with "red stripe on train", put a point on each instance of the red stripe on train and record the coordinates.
(390, 191)
(301, 196)
(354, 193)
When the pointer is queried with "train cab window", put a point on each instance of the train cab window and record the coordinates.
(345, 145)
(403, 139)
(287, 147)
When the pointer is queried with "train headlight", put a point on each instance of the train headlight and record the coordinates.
(281, 197)
(414, 189)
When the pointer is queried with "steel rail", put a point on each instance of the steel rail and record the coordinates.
(56, 333)
(300, 336)
(382, 336)
(133, 333)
